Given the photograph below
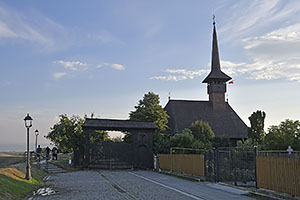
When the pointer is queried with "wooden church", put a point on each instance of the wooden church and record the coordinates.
(223, 120)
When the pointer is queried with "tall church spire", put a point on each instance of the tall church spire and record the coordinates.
(215, 60)
(216, 72)
(216, 79)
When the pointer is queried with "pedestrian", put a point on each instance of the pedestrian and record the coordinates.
(54, 153)
(38, 153)
(47, 152)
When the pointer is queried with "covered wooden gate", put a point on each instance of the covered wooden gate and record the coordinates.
(138, 154)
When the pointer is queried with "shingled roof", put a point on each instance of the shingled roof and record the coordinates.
(117, 125)
(224, 123)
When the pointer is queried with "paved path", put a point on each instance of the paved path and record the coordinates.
(141, 185)
(49, 167)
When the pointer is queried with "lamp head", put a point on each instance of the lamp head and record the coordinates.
(28, 121)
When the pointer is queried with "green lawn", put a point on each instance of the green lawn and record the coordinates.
(13, 184)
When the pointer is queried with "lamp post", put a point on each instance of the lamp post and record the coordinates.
(28, 124)
(36, 136)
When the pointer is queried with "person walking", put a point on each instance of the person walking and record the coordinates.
(38, 153)
(54, 153)
(47, 153)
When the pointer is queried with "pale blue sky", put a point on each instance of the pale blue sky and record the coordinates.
(78, 57)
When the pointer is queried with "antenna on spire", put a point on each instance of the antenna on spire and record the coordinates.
(169, 96)
(214, 21)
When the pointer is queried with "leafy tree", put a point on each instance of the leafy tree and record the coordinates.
(183, 139)
(202, 131)
(221, 142)
(197, 144)
(256, 131)
(68, 136)
(186, 139)
(149, 110)
(245, 143)
(161, 143)
(198, 136)
(287, 133)
(67, 133)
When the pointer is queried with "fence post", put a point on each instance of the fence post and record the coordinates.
(255, 172)
(205, 172)
(216, 165)
(234, 163)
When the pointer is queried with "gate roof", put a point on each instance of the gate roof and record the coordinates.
(117, 125)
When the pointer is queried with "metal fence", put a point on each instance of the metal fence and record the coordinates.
(236, 165)
(274, 170)
(230, 165)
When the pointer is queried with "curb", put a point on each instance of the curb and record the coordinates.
(181, 175)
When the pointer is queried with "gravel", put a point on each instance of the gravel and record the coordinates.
(142, 185)
(80, 185)
(140, 188)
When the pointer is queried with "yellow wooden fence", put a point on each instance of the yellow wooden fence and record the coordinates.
(280, 174)
(182, 163)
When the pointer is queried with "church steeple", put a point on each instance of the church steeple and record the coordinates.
(216, 72)
(216, 79)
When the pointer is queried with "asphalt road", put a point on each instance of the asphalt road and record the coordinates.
(142, 185)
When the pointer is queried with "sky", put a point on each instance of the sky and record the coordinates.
(81, 57)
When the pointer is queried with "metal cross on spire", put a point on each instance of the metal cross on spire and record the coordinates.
(214, 17)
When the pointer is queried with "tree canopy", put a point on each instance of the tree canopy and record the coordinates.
(149, 110)
(183, 139)
(287, 133)
(68, 136)
(198, 136)
(256, 132)
(202, 131)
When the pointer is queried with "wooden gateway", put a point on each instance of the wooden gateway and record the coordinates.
(138, 154)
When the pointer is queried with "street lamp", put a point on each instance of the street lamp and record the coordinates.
(28, 124)
(36, 136)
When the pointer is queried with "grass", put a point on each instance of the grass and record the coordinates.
(13, 184)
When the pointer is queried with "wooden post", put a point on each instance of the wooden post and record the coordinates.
(204, 166)
(255, 169)
(87, 147)
(216, 164)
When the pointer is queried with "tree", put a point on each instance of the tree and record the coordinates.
(149, 110)
(287, 133)
(221, 142)
(202, 131)
(256, 131)
(184, 139)
(67, 133)
(161, 142)
(198, 136)
(68, 136)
